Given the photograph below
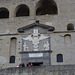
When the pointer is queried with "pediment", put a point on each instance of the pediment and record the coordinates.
(49, 28)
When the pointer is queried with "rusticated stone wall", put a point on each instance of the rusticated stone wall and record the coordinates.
(62, 41)
(44, 70)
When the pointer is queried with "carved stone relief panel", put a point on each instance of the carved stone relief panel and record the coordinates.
(36, 41)
(25, 47)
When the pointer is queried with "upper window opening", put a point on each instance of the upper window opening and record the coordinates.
(67, 39)
(59, 58)
(70, 26)
(44, 7)
(22, 10)
(4, 13)
(13, 44)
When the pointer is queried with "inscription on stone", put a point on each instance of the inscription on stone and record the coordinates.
(36, 55)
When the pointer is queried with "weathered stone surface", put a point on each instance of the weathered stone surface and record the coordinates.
(59, 43)
(43, 70)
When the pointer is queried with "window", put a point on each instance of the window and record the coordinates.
(4, 13)
(44, 7)
(12, 59)
(59, 58)
(22, 10)
(70, 26)
(13, 46)
(67, 39)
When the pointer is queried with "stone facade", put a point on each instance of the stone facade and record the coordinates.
(61, 39)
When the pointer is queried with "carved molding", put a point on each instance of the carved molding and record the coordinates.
(22, 29)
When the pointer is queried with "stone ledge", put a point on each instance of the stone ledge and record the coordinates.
(40, 70)
(48, 51)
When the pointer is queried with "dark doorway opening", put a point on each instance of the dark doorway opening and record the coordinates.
(45, 7)
(22, 10)
(4, 13)
(36, 63)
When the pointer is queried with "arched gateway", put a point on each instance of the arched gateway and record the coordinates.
(36, 44)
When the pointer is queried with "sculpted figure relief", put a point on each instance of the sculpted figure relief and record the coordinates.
(36, 37)
(25, 47)
(46, 46)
